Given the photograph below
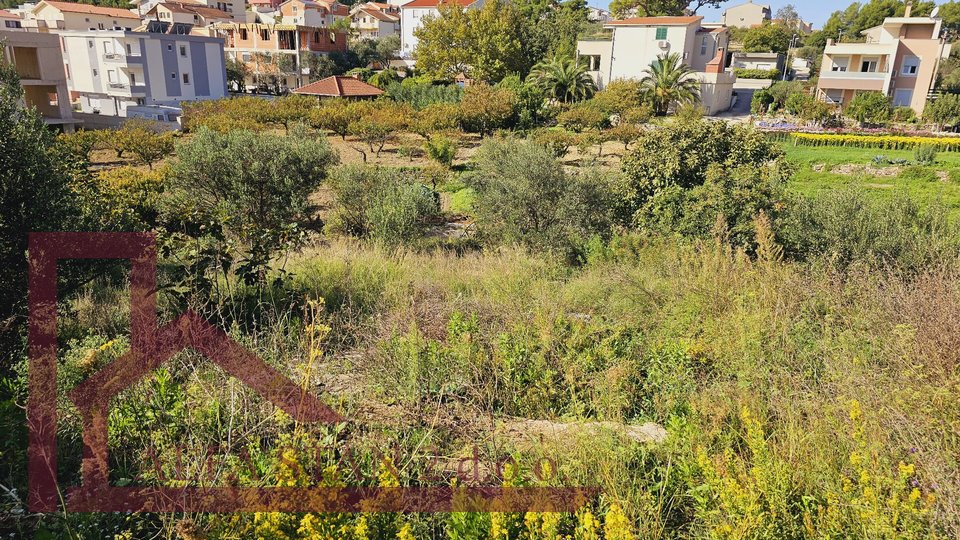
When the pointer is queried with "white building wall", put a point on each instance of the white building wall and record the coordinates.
(636, 47)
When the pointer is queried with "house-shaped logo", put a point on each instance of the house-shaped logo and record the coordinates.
(150, 347)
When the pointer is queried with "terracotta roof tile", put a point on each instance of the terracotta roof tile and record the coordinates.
(435, 3)
(7, 15)
(74, 7)
(339, 86)
(379, 15)
(654, 21)
(189, 7)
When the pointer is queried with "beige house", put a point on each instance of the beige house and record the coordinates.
(184, 17)
(371, 21)
(746, 15)
(637, 42)
(899, 58)
(49, 15)
(39, 63)
(10, 21)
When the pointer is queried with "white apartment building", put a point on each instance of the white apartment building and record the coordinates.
(746, 15)
(140, 74)
(637, 42)
(49, 15)
(370, 21)
(411, 18)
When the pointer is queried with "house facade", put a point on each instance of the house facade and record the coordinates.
(236, 8)
(312, 13)
(142, 74)
(637, 42)
(10, 21)
(183, 17)
(760, 61)
(746, 15)
(49, 15)
(39, 64)
(412, 15)
(899, 58)
(279, 51)
(371, 22)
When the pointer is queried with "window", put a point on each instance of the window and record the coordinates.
(911, 64)
(246, 57)
(265, 34)
(173, 74)
(662, 32)
(294, 9)
(133, 79)
(129, 49)
(868, 66)
(89, 43)
(183, 50)
(703, 46)
(316, 37)
(107, 47)
(100, 26)
(94, 73)
(169, 46)
(243, 34)
(591, 61)
(112, 75)
(186, 78)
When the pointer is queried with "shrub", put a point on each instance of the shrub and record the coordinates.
(436, 118)
(917, 173)
(442, 150)
(944, 111)
(925, 154)
(582, 116)
(903, 114)
(887, 142)
(680, 154)
(869, 108)
(80, 144)
(618, 97)
(761, 101)
(557, 140)
(419, 94)
(744, 73)
(379, 125)
(256, 186)
(637, 115)
(523, 195)
(485, 108)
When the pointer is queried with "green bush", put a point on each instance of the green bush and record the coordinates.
(917, 173)
(925, 154)
(523, 195)
(761, 101)
(869, 108)
(420, 94)
(399, 212)
(744, 73)
(903, 114)
(944, 111)
(558, 140)
(441, 149)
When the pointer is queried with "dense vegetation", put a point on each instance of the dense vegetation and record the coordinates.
(722, 354)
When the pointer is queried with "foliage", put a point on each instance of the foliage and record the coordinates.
(557, 140)
(761, 101)
(380, 124)
(563, 79)
(381, 203)
(237, 73)
(944, 111)
(256, 185)
(81, 143)
(768, 37)
(436, 118)
(131, 195)
(442, 150)
(857, 17)
(384, 78)
(680, 154)
(583, 116)
(925, 154)
(336, 116)
(378, 51)
(486, 108)
(619, 96)
(483, 44)
(869, 108)
(624, 132)
(889, 142)
(745, 73)
(524, 196)
(652, 8)
(668, 82)
(420, 94)
(903, 114)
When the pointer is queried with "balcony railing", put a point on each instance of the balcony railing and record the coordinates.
(861, 75)
(121, 58)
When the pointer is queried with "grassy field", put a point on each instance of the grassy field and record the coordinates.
(825, 168)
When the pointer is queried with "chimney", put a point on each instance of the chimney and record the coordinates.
(908, 9)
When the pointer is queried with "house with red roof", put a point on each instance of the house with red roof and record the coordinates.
(340, 86)
(10, 21)
(372, 22)
(634, 43)
(197, 17)
(411, 18)
(50, 15)
(316, 13)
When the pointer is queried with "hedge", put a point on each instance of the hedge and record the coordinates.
(744, 73)
(887, 142)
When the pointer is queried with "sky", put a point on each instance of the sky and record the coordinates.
(814, 11)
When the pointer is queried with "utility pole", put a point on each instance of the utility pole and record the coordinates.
(786, 61)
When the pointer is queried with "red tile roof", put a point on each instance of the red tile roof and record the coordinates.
(379, 15)
(7, 15)
(654, 21)
(199, 9)
(339, 86)
(73, 7)
(435, 3)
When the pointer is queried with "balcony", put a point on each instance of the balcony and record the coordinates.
(126, 90)
(117, 58)
(854, 80)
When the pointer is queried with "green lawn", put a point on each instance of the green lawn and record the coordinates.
(926, 191)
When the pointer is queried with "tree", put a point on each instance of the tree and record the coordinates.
(668, 81)
(524, 196)
(436, 118)
(335, 115)
(383, 79)
(442, 149)
(869, 108)
(256, 185)
(379, 125)
(788, 17)
(950, 15)
(652, 8)
(484, 44)
(563, 79)
(585, 115)
(944, 111)
(767, 37)
(485, 108)
(146, 139)
(619, 95)
(625, 133)
(153, 147)
(237, 73)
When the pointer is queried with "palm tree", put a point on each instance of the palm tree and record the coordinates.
(563, 79)
(668, 81)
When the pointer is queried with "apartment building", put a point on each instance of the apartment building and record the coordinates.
(312, 13)
(142, 74)
(637, 42)
(373, 20)
(746, 15)
(49, 15)
(899, 58)
(184, 17)
(411, 19)
(39, 63)
(236, 8)
(280, 51)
